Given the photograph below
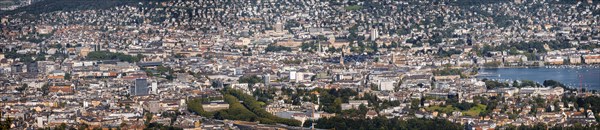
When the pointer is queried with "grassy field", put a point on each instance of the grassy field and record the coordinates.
(353, 7)
(475, 110)
(446, 109)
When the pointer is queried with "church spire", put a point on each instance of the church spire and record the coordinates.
(342, 58)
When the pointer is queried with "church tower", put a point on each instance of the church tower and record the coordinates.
(342, 59)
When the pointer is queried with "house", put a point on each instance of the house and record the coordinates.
(575, 59)
(354, 104)
(215, 106)
(555, 60)
(64, 88)
(56, 74)
(591, 59)
(371, 114)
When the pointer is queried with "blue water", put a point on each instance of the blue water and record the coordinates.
(590, 76)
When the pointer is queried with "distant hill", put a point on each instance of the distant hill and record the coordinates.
(70, 5)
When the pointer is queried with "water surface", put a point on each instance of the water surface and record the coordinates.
(570, 76)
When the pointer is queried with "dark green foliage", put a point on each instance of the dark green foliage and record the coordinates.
(276, 48)
(378, 104)
(331, 99)
(307, 123)
(529, 48)
(447, 71)
(22, 88)
(236, 111)
(554, 83)
(195, 106)
(45, 89)
(67, 76)
(291, 24)
(157, 126)
(251, 80)
(46, 6)
(105, 55)
(589, 46)
(529, 83)
(254, 107)
(264, 95)
(171, 114)
(161, 71)
(491, 84)
(384, 123)
(26, 58)
(525, 83)
(355, 113)
(591, 102)
(5, 125)
(463, 106)
(448, 53)
(309, 46)
(148, 117)
(489, 102)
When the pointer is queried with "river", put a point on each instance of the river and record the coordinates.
(570, 76)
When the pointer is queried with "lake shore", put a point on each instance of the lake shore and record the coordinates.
(553, 66)
(571, 76)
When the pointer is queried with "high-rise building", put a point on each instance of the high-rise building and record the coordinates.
(154, 88)
(374, 34)
(292, 76)
(278, 27)
(140, 88)
(267, 79)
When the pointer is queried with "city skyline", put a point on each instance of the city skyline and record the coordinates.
(299, 64)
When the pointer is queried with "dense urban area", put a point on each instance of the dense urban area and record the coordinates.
(294, 64)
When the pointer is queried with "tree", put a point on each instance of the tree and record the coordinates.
(67, 76)
(62, 126)
(148, 118)
(516, 84)
(337, 105)
(362, 110)
(251, 80)
(169, 77)
(195, 106)
(384, 123)
(414, 104)
(553, 83)
(123, 125)
(374, 87)
(85, 126)
(490, 84)
(45, 89)
(308, 123)
(105, 55)
(22, 88)
(5, 125)
(256, 111)
(528, 83)
(276, 48)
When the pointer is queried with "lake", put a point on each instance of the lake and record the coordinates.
(590, 76)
